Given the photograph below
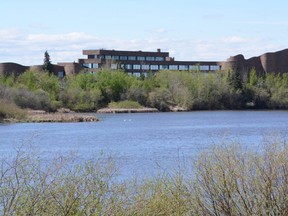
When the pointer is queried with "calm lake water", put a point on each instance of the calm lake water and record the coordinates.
(143, 143)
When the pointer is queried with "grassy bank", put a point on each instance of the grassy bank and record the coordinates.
(225, 180)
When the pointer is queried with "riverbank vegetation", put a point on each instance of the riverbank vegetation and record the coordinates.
(224, 180)
(9, 110)
(166, 90)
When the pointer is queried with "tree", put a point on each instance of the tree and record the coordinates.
(47, 65)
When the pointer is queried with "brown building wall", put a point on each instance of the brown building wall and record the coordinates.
(12, 68)
(276, 62)
(17, 69)
(70, 68)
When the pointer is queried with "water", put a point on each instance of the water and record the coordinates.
(143, 143)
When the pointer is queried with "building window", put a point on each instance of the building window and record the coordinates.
(128, 66)
(193, 67)
(159, 58)
(114, 66)
(136, 67)
(183, 67)
(123, 58)
(115, 57)
(145, 67)
(214, 67)
(140, 58)
(91, 56)
(204, 67)
(164, 67)
(173, 67)
(150, 58)
(154, 67)
(108, 57)
(85, 65)
(132, 58)
(137, 74)
(94, 65)
(60, 74)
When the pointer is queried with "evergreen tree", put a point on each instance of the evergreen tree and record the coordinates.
(235, 80)
(47, 65)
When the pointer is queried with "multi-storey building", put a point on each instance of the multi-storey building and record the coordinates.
(140, 62)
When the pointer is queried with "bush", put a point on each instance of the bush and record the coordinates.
(9, 110)
(225, 180)
(125, 105)
(38, 100)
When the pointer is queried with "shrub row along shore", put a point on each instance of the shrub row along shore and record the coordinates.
(187, 90)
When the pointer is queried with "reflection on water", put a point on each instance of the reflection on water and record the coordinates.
(144, 142)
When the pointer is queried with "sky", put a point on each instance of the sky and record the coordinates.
(211, 30)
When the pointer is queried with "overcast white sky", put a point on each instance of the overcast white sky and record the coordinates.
(188, 29)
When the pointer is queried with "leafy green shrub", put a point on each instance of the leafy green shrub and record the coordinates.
(125, 105)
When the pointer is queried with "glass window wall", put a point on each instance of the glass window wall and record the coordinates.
(140, 58)
(128, 66)
(150, 58)
(132, 58)
(123, 58)
(214, 67)
(159, 58)
(164, 67)
(173, 67)
(204, 67)
(154, 67)
(136, 67)
(115, 57)
(145, 67)
(183, 67)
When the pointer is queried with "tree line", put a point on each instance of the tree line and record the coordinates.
(165, 90)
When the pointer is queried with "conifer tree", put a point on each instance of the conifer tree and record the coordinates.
(47, 65)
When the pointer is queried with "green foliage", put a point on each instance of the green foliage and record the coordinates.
(253, 77)
(235, 80)
(30, 79)
(165, 90)
(113, 84)
(125, 105)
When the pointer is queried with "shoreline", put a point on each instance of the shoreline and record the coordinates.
(66, 115)
(61, 117)
(40, 116)
(126, 110)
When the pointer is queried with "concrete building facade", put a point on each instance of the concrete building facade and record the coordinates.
(272, 62)
(141, 62)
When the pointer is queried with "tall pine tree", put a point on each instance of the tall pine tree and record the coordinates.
(47, 65)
